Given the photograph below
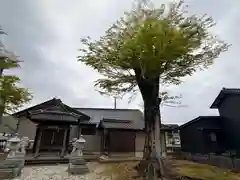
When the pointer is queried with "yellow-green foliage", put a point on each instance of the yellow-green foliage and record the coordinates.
(150, 42)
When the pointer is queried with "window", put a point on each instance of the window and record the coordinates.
(213, 137)
(88, 130)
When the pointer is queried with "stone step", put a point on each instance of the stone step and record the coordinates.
(9, 173)
(77, 169)
(78, 161)
(6, 174)
(46, 161)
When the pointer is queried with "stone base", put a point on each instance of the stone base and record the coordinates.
(77, 169)
(20, 162)
(9, 170)
(6, 174)
(77, 160)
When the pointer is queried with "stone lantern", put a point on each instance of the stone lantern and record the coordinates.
(77, 164)
(13, 145)
(15, 159)
(79, 145)
(23, 144)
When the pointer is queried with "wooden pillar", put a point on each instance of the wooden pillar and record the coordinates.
(35, 140)
(38, 142)
(104, 139)
(68, 139)
(102, 142)
(79, 131)
(64, 142)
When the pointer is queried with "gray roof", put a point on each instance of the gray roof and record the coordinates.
(115, 118)
(43, 115)
(119, 124)
(170, 126)
(199, 118)
(52, 105)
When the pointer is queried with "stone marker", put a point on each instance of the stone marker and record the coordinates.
(77, 165)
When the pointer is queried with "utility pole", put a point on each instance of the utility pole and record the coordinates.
(115, 102)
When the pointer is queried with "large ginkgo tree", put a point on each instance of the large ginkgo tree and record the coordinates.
(148, 48)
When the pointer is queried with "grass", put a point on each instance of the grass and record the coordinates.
(201, 171)
(126, 171)
(120, 171)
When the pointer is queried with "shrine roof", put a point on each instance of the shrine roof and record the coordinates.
(53, 108)
(53, 116)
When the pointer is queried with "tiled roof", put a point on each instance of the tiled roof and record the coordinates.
(120, 118)
(115, 118)
(170, 126)
(118, 124)
(53, 104)
(43, 115)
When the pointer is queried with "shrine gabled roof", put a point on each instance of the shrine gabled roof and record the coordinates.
(51, 106)
(50, 115)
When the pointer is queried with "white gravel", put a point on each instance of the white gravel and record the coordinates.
(59, 172)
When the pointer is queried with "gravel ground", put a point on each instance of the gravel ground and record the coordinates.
(59, 172)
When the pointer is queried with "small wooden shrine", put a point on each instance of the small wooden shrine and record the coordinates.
(54, 121)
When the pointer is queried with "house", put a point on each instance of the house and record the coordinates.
(52, 125)
(172, 136)
(215, 134)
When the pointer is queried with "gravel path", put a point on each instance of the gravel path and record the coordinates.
(59, 172)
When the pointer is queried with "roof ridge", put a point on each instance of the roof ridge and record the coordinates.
(123, 109)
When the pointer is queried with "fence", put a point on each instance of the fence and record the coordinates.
(215, 160)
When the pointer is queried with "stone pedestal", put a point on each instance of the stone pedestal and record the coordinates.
(12, 166)
(21, 152)
(77, 164)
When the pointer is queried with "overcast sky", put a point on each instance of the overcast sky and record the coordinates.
(46, 35)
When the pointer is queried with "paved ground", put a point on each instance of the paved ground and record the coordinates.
(59, 172)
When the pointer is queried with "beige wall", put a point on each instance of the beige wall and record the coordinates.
(93, 142)
(140, 140)
(139, 144)
(27, 128)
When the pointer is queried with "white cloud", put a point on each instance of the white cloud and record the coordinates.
(46, 34)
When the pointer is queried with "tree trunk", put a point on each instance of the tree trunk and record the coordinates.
(153, 141)
(151, 163)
